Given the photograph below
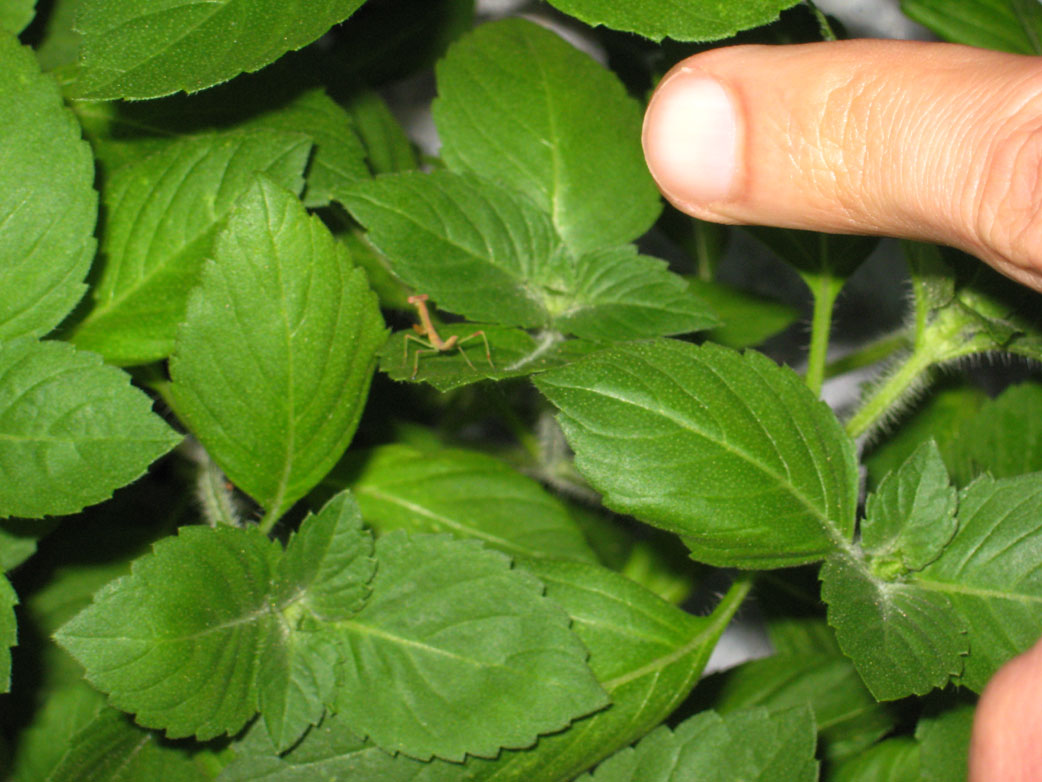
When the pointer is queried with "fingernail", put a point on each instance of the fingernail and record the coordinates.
(690, 139)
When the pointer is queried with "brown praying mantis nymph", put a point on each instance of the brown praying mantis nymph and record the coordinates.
(431, 342)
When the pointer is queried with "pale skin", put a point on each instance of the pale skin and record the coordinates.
(431, 342)
(919, 140)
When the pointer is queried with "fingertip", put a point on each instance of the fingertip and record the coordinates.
(691, 136)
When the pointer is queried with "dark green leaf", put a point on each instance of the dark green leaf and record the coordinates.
(814, 253)
(944, 742)
(162, 215)
(755, 745)
(895, 760)
(747, 319)
(729, 450)
(707, 20)
(1004, 438)
(18, 541)
(465, 493)
(45, 741)
(112, 749)
(15, 15)
(48, 206)
(519, 105)
(71, 429)
(848, 718)
(388, 148)
(8, 631)
(911, 516)
(151, 48)
(455, 653)
(991, 573)
(179, 641)
(1007, 25)
(903, 639)
(273, 362)
(59, 44)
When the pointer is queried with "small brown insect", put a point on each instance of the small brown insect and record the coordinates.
(431, 342)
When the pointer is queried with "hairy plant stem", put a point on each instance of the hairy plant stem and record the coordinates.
(825, 289)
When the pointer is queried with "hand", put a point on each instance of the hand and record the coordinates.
(922, 140)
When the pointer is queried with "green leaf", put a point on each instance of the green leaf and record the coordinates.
(18, 541)
(388, 148)
(848, 718)
(447, 625)
(749, 745)
(273, 362)
(616, 294)
(151, 48)
(179, 641)
(71, 429)
(647, 654)
(903, 639)
(895, 760)
(42, 745)
(1007, 25)
(59, 44)
(162, 215)
(707, 20)
(510, 108)
(990, 571)
(465, 493)
(474, 247)
(112, 749)
(329, 562)
(747, 319)
(911, 516)
(48, 206)
(813, 254)
(1004, 438)
(15, 15)
(939, 418)
(731, 451)
(513, 353)
(8, 631)
(944, 742)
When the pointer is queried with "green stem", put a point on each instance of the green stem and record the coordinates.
(867, 355)
(825, 289)
(271, 517)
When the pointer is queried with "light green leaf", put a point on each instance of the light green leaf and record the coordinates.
(455, 653)
(903, 639)
(59, 44)
(8, 631)
(911, 516)
(991, 571)
(297, 678)
(848, 718)
(42, 744)
(513, 353)
(705, 20)
(18, 541)
(151, 48)
(616, 294)
(162, 215)
(895, 760)
(112, 749)
(747, 319)
(476, 248)
(329, 562)
(48, 206)
(71, 429)
(509, 108)
(1007, 25)
(179, 641)
(729, 450)
(1004, 438)
(15, 15)
(755, 745)
(465, 493)
(273, 362)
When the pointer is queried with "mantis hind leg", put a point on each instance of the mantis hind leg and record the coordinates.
(488, 351)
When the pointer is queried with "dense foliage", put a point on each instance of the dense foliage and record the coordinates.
(256, 527)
